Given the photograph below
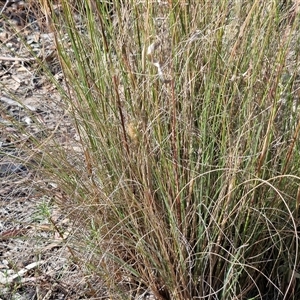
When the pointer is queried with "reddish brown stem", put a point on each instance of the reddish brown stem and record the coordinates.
(121, 114)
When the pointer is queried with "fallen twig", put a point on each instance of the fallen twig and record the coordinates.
(8, 58)
(6, 279)
(4, 7)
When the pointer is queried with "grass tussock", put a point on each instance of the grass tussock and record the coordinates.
(185, 181)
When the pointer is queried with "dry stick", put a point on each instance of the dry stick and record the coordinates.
(4, 7)
(16, 58)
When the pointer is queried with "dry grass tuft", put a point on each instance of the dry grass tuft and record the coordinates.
(186, 183)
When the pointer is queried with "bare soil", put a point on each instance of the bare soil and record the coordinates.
(34, 259)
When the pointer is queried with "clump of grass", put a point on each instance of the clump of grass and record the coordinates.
(186, 182)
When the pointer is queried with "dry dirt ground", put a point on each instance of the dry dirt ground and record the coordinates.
(34, 261)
